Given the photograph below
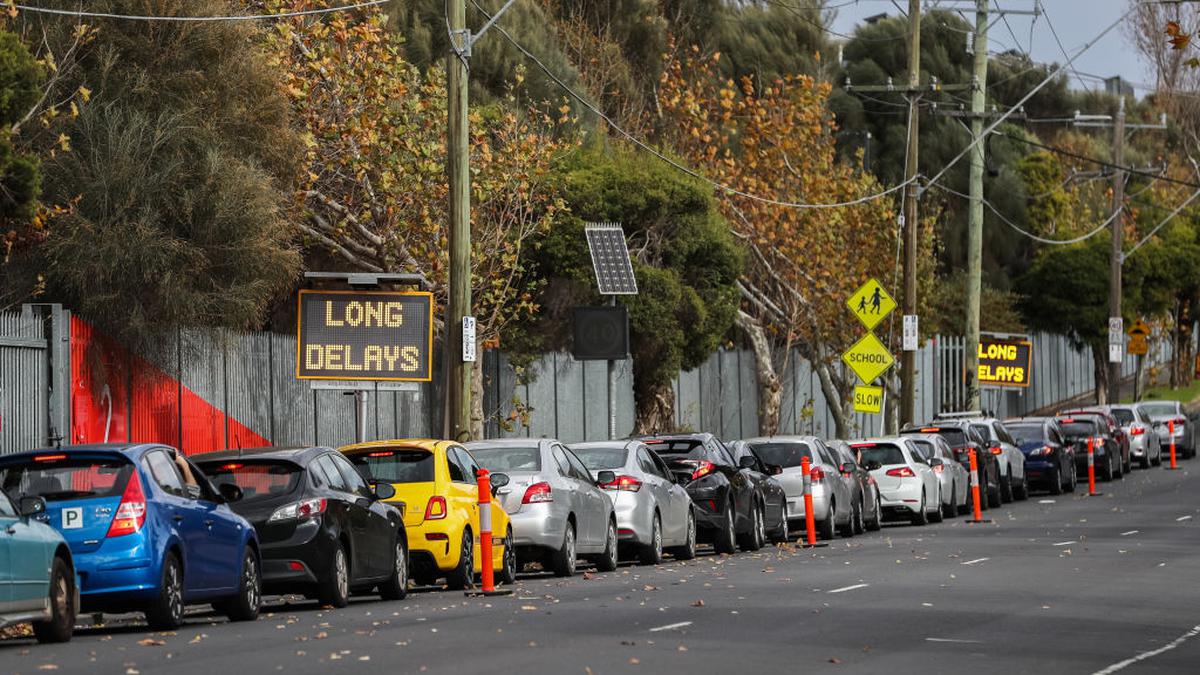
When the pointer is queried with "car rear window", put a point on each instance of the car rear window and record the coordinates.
(1159, 409)
(395, 465)
(925, 448)
(599, 459)
(782, 454)
(1027, 433)
(258, 480)
(677, 450)
(1076, 427)
(508, 458)
(60, 477)
(956, 437)
(1124, 416)
(883, 453)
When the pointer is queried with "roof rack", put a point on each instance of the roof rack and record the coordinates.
(966, 414)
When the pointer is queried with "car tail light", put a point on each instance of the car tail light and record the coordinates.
(1137, 430)
(381, 453)
(703, 468)
(435, 508)
(858, 446)
(131, 514)
(538, 493)
(49, 458)
(1042, 451)
(624, 484)
(939, 468)
(816, 473)
(997, 451)
(902, 472)
(302, 510)
(1180, 421)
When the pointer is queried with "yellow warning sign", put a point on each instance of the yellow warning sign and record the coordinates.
(1138, 345)
(1139, 327)
(871, 304)
(868, 399)
(868, 358)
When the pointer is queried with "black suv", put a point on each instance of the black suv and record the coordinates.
(963, 437)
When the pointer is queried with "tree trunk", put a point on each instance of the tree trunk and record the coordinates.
(1100, 367)
(770, 390)
(477, 398)
(833, 398)
(655, 404)
(1175, 361)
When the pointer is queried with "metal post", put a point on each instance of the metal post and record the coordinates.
(1115, 253)
(975, 211)
(612, 389)
(908, 365)
(458, 373)
(360, 415)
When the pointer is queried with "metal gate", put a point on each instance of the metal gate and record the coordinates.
(24, 369)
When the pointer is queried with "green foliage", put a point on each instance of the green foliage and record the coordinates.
(948, 308)
(685, 261)
(1066, 291)
(20, 177)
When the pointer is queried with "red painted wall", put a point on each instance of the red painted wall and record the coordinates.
(134, 400)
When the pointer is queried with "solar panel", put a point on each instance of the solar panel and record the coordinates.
(610, 259)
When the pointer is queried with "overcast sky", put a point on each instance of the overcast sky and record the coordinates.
(1077, 22)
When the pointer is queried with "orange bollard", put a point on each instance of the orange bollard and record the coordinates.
(1171, 429)
(485, 530)
(810, 525)
(1092, 467)
(975, 491)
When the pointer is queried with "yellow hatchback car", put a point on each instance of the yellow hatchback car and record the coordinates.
(436, 481)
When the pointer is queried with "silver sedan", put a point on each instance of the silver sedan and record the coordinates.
(653, 511)
(556, 508)
(833, 504)
(1143, 437)
(953, 476)
(1161, 413)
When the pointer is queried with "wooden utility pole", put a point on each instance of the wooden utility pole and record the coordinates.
(1116, 254)
(908, 364)
(975, 209)
(457, 424)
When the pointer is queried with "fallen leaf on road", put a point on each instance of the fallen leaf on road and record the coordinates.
(321, 636)
(835, 660)
(682, 648)
(529, 608)
(197, 638)
(648, 587)
(47, 666)
(151, 642)
(634, 661)
(698, 603)
(589, 576)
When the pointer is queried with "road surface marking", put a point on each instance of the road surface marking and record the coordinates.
(1152, 653)
(964, 642)
(849, 588)
(1182, 518)
(977, 560)
(1064, 543)
(1126, 534)
(671, 626)
(1046, 501)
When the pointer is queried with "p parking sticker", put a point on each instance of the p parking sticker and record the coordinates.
(72, 518)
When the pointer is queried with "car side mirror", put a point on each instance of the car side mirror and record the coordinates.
(936, 461)
(230, 492)
(499, 480)
(747, 462)
(383, 491)
(605, 477)
(848, 468)
(995, 445)
(31, 506)
(873, 466)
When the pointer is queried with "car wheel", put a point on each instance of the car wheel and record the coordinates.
(994, 498)
(1106, 473)
(245, 605)
(1071, 484)
(753, 540)
(780, 535)
(607, 561)
(688, 550)
(1157, 461)
(463, 577)
(726, 538)
(1006, 488)
(876, 523)
(847, 530)
(921, 517)
(396, 586)
(508, 573)
(166, 611)
(1056, 483)
(335, 589)
(61, 624)
(825, 527)
(936, 515)
(564, 559)
(860, 519)
(651, 553)
(1021, 490)
(950, 510)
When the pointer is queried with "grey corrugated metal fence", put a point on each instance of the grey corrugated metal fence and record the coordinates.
(24, 422)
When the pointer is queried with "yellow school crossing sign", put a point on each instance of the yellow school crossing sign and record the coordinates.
(868, 399)
(868, 358)
(871, 304)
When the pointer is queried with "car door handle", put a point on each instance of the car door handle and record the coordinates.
(208, 522)
(177, 518)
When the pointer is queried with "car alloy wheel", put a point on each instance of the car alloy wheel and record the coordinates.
(167, 611)
(396, 586)
(251, 584)
(61, 624)
(726, 537)
(760, 527)
(564, 558)
(608, 560)
(508, 573)
(463, 576)
(651, 554)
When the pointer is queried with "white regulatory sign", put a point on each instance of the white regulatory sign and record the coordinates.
(1115, 353)
(1116, 331)
(912, 332)
(468, 338)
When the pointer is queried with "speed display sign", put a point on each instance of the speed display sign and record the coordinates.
(365, 335)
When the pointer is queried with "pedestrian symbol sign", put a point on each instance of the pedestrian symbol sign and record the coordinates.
(871, 304)
(868, 358)
(868, 399)
(1138, 346)
(1139, 327)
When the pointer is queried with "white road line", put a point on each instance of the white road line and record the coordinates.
(977, 560)
(964, 642)
(1126, 534)
(1150, 654)
(1064, 543)
(849, 588)
(1180, 519)
(1046, 501)
(671, 626)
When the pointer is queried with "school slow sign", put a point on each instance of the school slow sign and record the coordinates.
(365, 335)
(1005, 361)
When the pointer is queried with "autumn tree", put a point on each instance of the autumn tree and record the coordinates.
(21, 77)
(771, 145)
(375, 194)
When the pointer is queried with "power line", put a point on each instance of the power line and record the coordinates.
(1063, 49)
(1018, 228)
(685, 169)
(235, 17)
(1100, 162)
(1160, 225)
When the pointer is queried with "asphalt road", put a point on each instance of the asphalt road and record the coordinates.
(1064, 584)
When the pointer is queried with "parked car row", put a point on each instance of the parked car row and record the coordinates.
(142, 528)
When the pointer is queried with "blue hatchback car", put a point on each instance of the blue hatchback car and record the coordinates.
(146, 529)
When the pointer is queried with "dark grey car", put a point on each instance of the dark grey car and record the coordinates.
(862, 487)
